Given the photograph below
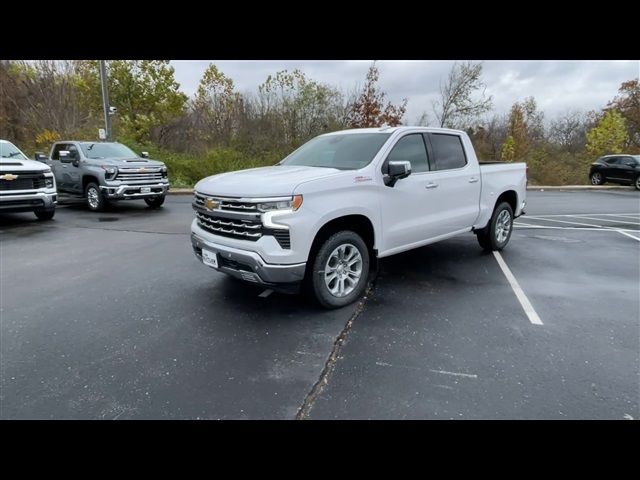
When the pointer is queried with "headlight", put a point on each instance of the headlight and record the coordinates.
(164, 169)
(48, 182)
(293, 203)
(110, 171)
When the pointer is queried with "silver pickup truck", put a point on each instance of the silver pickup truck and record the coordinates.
(25, 185)
(103, 172)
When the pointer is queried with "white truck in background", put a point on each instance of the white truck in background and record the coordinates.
(25, 185)
(321, 216)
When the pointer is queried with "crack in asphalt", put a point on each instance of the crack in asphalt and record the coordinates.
(330, 364)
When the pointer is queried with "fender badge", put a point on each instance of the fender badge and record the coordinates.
(8, 176)
(362, 178)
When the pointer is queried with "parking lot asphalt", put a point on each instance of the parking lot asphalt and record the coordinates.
(109, 315)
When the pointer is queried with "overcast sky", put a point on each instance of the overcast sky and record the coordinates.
(556, 85)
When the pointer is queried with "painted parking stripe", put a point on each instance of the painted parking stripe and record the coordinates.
(522, 298)
(628, 235)
(614, 220)
(586, 214)
(565, 221)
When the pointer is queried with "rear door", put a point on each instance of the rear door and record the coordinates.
(456, 179)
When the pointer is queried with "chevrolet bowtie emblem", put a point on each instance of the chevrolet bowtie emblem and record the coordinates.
(142, 170)
(210, 204)
(8, 176)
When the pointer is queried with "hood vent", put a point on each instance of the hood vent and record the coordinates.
(136, 161)
(11, 164)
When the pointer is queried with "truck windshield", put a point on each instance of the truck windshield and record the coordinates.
(106, 150)
(9, 150)
(344, 152)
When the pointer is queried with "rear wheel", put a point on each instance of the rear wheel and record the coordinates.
(637, 182)
(95, 200)
(45, 214)
(496, 235)
(155, 202)
(340, 270)
(597, 178)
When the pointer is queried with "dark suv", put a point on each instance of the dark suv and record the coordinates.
(622, 169)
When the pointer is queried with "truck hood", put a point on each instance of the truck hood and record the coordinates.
(127, 162)
(19, 165)
(273, 181)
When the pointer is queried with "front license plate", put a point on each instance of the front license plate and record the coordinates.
(145, 189)
(210, 258)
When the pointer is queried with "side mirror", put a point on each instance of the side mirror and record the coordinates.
(65, 156)
(397, 170)
(40, 157)
(144, 154)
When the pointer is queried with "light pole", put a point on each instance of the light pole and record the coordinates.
(105, 100)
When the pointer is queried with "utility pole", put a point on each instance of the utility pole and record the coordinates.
(105, 100)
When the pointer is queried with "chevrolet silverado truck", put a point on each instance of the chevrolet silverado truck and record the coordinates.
(25, 185)
(321, 217)
(104, 172)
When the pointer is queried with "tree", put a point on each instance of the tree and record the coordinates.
(627, 102)
(459, 105)
(609, 136)
(369, 109)
(213, 105)
(569, 130)
(145, 93)
(525, 129)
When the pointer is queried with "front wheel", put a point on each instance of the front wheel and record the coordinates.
(496, 235)
(155, 202)
(340, 270)
(637, 182)
(45, 214)
(95, 200)
(597, 178)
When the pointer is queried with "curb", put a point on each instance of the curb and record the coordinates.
(189, 191)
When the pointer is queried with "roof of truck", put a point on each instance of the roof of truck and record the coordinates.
(394, 129)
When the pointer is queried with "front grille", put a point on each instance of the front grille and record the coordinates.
(25, 181)
(235, 219)
(242, 229)
(140, 175)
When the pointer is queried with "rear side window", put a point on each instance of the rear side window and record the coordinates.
(411, 148)
(448, 151)
(611, 160)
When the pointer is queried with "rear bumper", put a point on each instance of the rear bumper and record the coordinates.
(247, 265)
(124, 192)
(28, 202)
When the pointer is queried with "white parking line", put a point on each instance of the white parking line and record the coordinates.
(587, 214)
(615, 220)
(522, 298)
(565, 221)
(628, 234)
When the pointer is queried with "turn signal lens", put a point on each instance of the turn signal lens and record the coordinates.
(296, 203)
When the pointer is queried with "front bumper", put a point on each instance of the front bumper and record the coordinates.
(133, 191)
(28, 201)
(247, 265)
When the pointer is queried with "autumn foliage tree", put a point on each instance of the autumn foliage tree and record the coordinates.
(369, 108)
(627, 103)
(609, 136)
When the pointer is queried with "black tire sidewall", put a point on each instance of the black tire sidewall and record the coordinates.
(102, 202)
(155, 202)
(492, 226)
(45, 214)
(318, 286)
(636, 182)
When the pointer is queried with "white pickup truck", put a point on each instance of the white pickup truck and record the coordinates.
(324, 214)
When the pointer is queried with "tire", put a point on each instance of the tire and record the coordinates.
(494, 237)
(343, 287)
(155, 202)
(95, 200)
(636, 183)
(45, 214)
(597, 178)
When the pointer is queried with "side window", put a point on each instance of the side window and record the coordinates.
(448, 151)
(56, 151)
(73, 149)
(410, 148)
(612, 160)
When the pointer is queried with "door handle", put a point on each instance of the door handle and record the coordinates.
(473, 179)
(431, 185)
